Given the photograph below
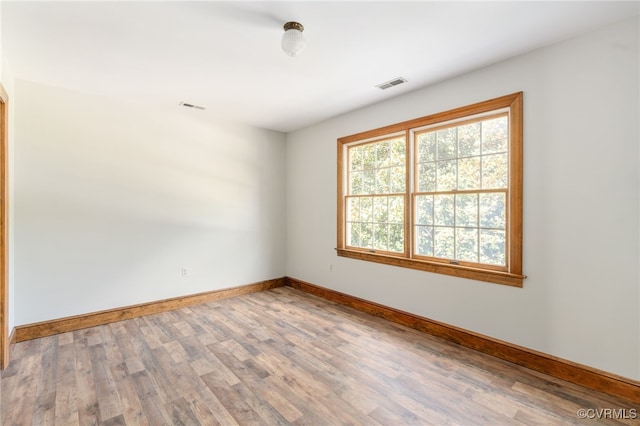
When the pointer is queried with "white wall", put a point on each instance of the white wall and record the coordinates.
(113, 199)
(581, 184)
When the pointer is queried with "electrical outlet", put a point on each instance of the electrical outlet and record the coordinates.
(331, 267)
(184, 272)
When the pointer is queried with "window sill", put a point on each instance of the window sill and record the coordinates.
(497, 277)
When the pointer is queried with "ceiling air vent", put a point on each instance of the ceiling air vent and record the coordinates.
(188, 105)
(391, 83)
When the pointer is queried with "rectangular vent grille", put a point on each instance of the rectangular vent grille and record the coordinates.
(188, 105)
(391, 83)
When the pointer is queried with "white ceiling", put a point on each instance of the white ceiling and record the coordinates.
(226, 55)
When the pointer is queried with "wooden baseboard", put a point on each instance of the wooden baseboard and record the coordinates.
(572, 372)
(77, 322)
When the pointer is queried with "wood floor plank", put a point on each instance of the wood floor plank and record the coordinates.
(66, 399)
(391, 413)
(538, 418)
(181, 413)
(304, 383)
(277, 400)
(19, 393)
(300, 404)
(231, 400)
(154, 411)
(46, 386)
(278, 357)
(200, 410)
(204, 397)
(132, 411)
(85, 383)
(106, 392)
(115, 421)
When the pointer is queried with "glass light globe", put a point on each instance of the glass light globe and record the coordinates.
(293, 42)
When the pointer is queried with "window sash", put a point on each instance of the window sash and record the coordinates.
(457, 225)
(373, 224)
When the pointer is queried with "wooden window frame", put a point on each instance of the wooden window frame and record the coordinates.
(511, 274)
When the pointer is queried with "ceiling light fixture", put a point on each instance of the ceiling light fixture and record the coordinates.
(293, 42)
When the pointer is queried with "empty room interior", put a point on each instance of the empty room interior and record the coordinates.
(293, 212)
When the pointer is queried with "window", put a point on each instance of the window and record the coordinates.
(441, 193)
(376, 197)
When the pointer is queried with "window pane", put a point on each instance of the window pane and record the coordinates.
(378, 167)
(382, 154)
(369, 156)
(427, 177)
(494, 171)
(467, 210)
(396, 238)
(398, 152)
(396, 210)
(443, 242)
(398, 177)
(366, 209)
(492, 247)
(380, 213)
(469, 173)
(383, 182)
(353, 209)
(467, 244)
(368, 181)
(424, 240)
(493, 209)
(376, 222)
(446, 178)
(424, 210)
(443, 210)
(469, 140)
(366, 235)
(355, 158)
(380, 236)
(353, 234)
(446, 142)
(355, 183)
(494, 135)
(426, 147)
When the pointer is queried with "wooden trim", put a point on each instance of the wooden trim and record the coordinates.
(77, 322)
(4, 229)
(460, 271)
(10, 344)
(515, 196)
(409, 187)
(573, 372)
(340, 193)
(12, 338)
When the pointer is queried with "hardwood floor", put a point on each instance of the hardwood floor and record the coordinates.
(279, 357)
